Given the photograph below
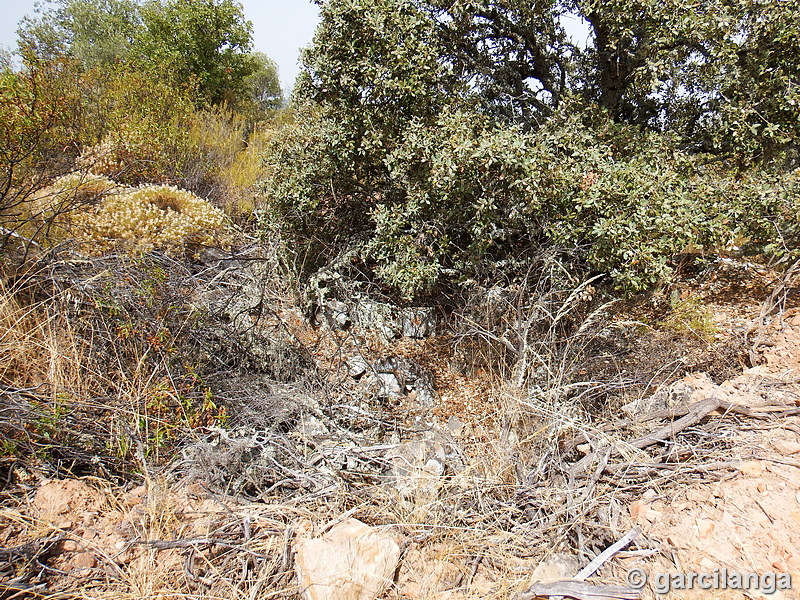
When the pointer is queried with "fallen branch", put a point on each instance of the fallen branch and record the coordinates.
(606, 555)
(583, 591)
(694, 414)
(193, 543)
(767, 307)
(579, 591)
(697, 413)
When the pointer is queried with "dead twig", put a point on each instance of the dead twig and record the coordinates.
(606, 555)
(776, 298)
(696, 413)
(579, 591)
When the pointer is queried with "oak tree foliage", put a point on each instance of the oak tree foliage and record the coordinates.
(447, 137)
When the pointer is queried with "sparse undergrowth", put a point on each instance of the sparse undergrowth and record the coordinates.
(134, 384)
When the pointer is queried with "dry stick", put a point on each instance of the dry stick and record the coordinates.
(767, 307)
(762, 412)
(697, 412)
(605, 454)
(582, 591)
(579, 591)
(195, 542)
(649, 468)
(606, 554)
(476, 562)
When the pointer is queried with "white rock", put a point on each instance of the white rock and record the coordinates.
(357, 366)
(455, 425)
(416, 468)
(425, 397)
(337, 315)
(388, 385)
(352, 561)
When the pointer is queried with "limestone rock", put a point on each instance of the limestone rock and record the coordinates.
(396, 372)
(418, 323)
(357, 366)
(416, 468)
(388, 385)
(352, 561)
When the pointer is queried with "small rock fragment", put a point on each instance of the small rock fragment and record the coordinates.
(637, 509)
(84, 560)
(556, 567)
(786, 447)
(705, 527)
(751, 467)
(388, 386)
(357, 366)
(455, 425)
(418, 323)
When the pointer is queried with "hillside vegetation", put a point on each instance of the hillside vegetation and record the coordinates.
(420, 291)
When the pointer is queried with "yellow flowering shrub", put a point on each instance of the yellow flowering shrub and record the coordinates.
(49, 214)
(154, 216)
(106, 158)
(102, 214)
(82, 188)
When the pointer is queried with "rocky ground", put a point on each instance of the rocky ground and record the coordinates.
(749, 520)
(419, 478)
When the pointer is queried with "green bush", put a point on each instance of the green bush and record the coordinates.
(445, 141)
(466, 196)
(139, 123)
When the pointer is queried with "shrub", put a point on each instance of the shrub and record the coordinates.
(241, 177)
(109, 360)
(144, 218)
(442, 145)
(634, 201)
(139, 122)
(41, 120)
(149, 132)
(467, 196)
(155, 217)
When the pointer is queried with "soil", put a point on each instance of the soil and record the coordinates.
(749, 522)
(746, 521)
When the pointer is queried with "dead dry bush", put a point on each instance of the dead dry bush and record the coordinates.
(109, 361)
(570, 360)
(535, 330)
(564, 339)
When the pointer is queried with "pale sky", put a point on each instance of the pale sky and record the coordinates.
(280, 29)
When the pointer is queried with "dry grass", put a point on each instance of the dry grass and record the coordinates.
(99, 356)
(157, 543)
(90, 378)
